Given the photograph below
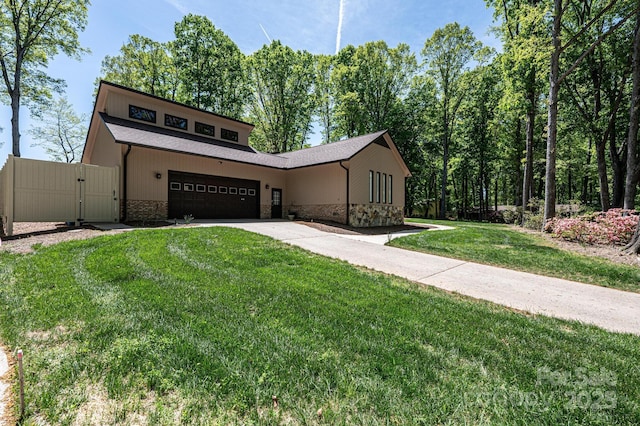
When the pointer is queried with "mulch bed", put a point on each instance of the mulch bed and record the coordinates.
(339, 228)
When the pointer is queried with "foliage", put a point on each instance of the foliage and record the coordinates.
(509, 247)
(282, 102)
(447, 54)
(615, 226)
(60, 131)
(210, 67)
(145, 65)
(205, 326)
(32, 32)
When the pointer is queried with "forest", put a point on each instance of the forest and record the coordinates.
(550, 120)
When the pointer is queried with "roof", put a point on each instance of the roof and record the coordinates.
(149, 136)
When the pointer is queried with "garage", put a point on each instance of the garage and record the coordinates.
(212, 197)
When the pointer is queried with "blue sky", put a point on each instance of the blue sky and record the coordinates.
(310, 25)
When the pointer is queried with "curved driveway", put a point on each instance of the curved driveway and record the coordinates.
(610, 309)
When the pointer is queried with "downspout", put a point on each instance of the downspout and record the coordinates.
(124, 184)
(346, 222)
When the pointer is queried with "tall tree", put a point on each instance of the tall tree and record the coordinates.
(282, 102)
(447, 55)
(60, 131)
(210, 67)
(325, 96)
(633, 163)
(371, 81)
(556, 77)
(31, 33)
(143, 64)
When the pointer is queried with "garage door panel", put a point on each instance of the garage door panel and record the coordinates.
(212, 197)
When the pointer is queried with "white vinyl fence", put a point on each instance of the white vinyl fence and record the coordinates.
(45, 191)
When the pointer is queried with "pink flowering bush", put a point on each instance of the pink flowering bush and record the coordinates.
(615, 226)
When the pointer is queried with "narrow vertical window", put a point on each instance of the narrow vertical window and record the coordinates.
(378, 187)
(390, 190)
(371, 186)
(384, 188)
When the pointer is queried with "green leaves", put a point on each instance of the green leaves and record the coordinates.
(282, 104)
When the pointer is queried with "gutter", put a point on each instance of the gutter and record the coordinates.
(346, 222)
(124, 183)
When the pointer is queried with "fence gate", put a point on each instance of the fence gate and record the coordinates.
(46, 191)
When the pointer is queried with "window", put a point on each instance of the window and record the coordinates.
(229, 135)
(384, 187)
(371, 186)
(378, 187)
(175, 122)
(175, 186)
(243, 191)
(233, 190)
(213, 189)
(188, 187)
(201, 188)
(205, 129)
(222, 189)
(252, 192)
(142, 114)
(390, 190)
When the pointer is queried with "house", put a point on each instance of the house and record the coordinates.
(176, 160)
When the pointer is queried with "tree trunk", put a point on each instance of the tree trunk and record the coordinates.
(585, 179)
(632, 139)
(445, 164)
(602, 175)
(631, 180)
(552, 123)
(15, 122)
(619, 168)
(528, 165)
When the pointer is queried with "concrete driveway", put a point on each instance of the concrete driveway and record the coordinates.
(610, 309)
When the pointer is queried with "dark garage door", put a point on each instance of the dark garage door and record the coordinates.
(212, 197)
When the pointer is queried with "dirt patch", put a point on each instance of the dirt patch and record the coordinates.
(338, 228)
(27, 235)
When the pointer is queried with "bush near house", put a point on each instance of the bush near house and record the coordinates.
(615, 227)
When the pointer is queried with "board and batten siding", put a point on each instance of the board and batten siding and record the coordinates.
(118, 106)
(379, 159)
(143, 164)
(316, 185)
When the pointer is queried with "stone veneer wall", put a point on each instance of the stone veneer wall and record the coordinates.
(368, 215)
(147, 210)
(331, 212)
(265, 211)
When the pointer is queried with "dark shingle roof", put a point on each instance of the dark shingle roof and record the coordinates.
(139, 134)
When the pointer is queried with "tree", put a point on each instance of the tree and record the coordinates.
(325, 95)
(210, 67)
(556, 78)
(447, 55)
(371, 81)
(633, 164)
(31, 33)
(282, 103)
(145, 65)
(61, 132)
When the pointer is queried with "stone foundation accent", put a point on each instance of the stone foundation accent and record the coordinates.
(147, 210)
(369, 215)
(265, 211)
(331, 212)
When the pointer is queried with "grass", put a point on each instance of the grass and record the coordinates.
(501, 245)
(206, 325)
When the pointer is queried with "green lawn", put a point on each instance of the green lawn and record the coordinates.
(502, 245)
(205, 325)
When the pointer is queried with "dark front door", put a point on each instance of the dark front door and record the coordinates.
(276, 203)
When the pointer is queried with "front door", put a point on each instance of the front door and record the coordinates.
(276, 203)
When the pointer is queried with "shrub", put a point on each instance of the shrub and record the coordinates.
(615, 226)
